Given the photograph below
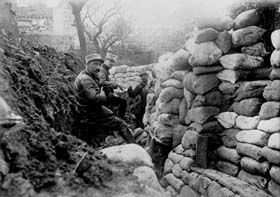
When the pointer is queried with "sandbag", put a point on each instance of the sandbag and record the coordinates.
(128, 153)
(273, 156)
(255, 180)
(257, 49)
(162, 132)
(245, 94)
(207, 127)
(247, 123)
(228, 88)
(223, 41)
(227, 119)
(275, 174)
(206, 70)
(200, 84)
(260, 73)
(275, 59)
(247, 36)
(250, 90)
(179, 75)
(255, 137)
(180, 60)
(269, 110)
(189, 96)
(248, 107)
(168, 119)
(172, 83)
(171, 107)
(201, 114)
(227, 168)
(270, 126)
(271, 91)
(178, 133)
(183, 109)
(206, 53)
(247, 18)
(229, 137)
(274, 141)
(189, 139)
(229, 154)
(213, 98)
(163, 70)
(275, 39)
(241, 61)
(169, 93)
(274, 188)
(168, 166)
(249, 150)
(275, 74)
(205, 35)
(232, 76)
(165, 57)
(218, 23)
(253, 166)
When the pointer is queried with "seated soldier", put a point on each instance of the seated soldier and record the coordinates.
(109, 86)
(90, 100)
(139, 94)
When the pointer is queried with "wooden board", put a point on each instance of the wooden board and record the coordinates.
(201, 151)
(234, 184)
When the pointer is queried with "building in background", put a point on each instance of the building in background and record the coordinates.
(47, 25)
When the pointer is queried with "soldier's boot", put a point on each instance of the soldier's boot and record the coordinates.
(127, 136)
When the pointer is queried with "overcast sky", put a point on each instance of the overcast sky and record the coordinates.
(146, 13)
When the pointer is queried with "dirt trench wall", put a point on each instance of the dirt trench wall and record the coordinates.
(227, 88)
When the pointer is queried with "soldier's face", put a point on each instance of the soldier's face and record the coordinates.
(94, 66)
(109, 62)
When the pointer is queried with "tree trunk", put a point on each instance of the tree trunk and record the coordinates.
(80, 30)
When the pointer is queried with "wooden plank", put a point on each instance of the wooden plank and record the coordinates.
(234, 184)
(201, 151)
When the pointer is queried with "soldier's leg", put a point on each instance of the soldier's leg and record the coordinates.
(114, 123)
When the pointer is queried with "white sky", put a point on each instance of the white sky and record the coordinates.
(147, 13)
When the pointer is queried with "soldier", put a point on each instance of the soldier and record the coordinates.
(109, 86)
(139, 94)
(90, 99)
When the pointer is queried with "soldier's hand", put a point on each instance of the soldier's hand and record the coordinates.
(120, 87)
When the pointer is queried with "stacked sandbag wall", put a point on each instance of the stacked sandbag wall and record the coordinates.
(203, 102)
(170, 104)
(251, 118)
(224, 94)
(129, 76)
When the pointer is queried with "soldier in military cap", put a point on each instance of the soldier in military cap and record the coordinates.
(109, 86)
(139, 94)
(91, 99)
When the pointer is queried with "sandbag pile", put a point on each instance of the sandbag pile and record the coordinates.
(129, 76)
(170, 105)
(242, 99)
(253, 118)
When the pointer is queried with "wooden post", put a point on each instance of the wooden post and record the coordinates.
(201, 151)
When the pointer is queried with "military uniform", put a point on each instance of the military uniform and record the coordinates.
(139, 94)
(109, 87)
(91, 105)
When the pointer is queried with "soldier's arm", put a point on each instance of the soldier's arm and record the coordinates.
(92, 91)
(110, 84)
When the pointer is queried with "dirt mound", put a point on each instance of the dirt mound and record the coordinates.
(37, 82)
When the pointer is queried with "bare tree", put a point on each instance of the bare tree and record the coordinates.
(77, 6)
(107, 29)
